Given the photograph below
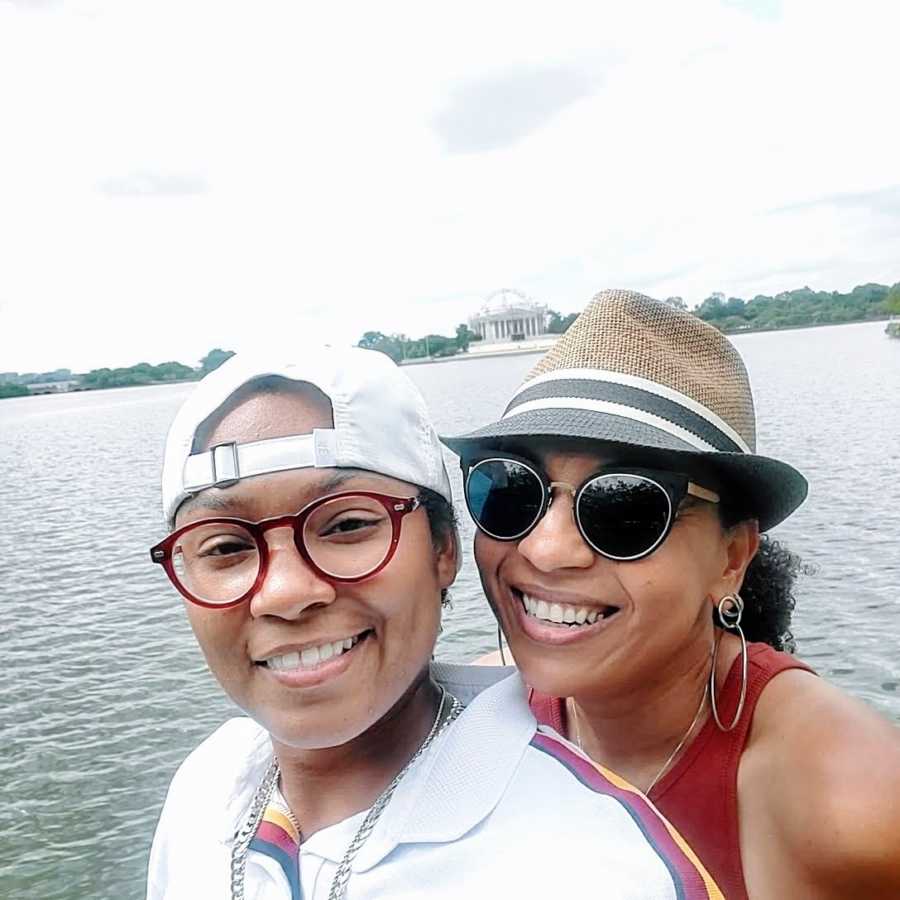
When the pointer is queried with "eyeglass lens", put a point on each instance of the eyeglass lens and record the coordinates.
(348, 537)
(504, 497)
(622, 516)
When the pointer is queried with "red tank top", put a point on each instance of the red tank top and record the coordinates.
(699, 795)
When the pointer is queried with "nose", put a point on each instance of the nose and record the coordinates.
(555, 542)
(290, 585)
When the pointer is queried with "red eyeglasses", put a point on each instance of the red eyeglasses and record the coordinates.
(218, 563)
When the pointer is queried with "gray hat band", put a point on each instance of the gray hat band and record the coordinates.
(628, 397)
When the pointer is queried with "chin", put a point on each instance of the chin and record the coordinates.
(550, 674)
(311, 732)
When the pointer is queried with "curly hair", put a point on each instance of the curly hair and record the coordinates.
(768, 589)
(442, 523)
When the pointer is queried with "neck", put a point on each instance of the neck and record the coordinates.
(634, 732)
(323, 787)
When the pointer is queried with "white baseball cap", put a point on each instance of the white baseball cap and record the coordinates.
(381, 424)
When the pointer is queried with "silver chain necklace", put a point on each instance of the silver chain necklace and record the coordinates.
(263, 796)
(672, 755)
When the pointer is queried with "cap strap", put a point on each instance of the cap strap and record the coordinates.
(227, 463)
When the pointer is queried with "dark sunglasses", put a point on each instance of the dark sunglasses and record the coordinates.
(622, 513)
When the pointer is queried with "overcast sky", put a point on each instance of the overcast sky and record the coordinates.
(177, 175)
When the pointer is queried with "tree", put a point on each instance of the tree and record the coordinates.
(391, 345)
(172, 371)
(463, 337)
(892, 300)
(677, 302)
(713, 307)
(13, 390)
(559, 324)
(214, 359)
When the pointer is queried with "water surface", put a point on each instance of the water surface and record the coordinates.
(103, 691)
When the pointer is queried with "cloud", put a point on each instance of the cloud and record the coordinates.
(501, 109)
(35, 5)
(768, 10)
(885, 201)
(152, 184)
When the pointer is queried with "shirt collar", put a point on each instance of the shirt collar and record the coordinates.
(463, 777)
(448, 792)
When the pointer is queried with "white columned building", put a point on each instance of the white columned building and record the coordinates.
(509, 315)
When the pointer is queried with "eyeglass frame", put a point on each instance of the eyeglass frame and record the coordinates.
(396, 507)
(670, 483)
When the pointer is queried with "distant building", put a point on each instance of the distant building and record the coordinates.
(509, 315)
(52, 387)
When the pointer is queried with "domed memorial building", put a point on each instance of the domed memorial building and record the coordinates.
(509, 315)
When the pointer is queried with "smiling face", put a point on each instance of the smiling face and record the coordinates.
(316, 663)
(580, 624)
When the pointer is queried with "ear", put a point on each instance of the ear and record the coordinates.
(448, 560)
(741, 542)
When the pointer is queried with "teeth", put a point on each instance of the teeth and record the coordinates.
(560, 613)
(311, 656)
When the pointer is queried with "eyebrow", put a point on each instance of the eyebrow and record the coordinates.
(223, 502)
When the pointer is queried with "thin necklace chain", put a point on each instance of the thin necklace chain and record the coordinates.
(672, 755)
(266, 789)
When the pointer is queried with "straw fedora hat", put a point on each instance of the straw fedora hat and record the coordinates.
(660, 387)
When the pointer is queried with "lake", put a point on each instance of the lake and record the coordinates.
(103, 691)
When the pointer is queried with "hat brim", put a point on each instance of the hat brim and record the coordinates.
(761, 487)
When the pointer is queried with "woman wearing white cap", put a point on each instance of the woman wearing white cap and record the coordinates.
(619, 503)
(313, 540)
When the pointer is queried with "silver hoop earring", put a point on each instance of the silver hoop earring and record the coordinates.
(500, 644)
(730, 610)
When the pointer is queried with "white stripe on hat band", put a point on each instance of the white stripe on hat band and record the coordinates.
(644, 384)
(614, 409)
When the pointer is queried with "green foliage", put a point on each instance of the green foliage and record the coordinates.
(13, 390)
(794, 308)
(464, 337)
(399, 347)
(214, 359)
(892, 300)
(393, 345)
(144, 373)
(560, 324)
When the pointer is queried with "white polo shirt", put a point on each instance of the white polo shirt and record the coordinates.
(497, 807)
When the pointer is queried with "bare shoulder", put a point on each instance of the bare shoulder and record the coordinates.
(827, 769)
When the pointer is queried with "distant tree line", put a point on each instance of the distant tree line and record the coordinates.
(12, 384)
(399, 347)
(804, 306)
(785, 310)
(434, 346)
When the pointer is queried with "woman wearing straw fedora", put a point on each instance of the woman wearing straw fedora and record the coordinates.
(619, 504)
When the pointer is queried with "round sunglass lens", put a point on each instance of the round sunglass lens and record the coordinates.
(623, 516)
(348, 537)
(504, 497)
(216, 562)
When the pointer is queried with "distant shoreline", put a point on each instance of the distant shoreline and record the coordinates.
(537, 346)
